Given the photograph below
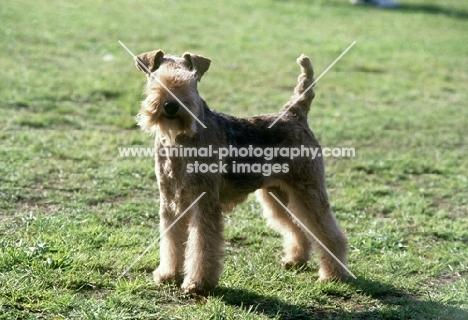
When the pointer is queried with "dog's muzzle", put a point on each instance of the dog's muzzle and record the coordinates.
(171, 108)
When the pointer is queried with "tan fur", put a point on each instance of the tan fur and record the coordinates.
(192, 250)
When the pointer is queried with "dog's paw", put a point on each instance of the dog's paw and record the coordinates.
(332, 275)
(192, 287)
(161, 276)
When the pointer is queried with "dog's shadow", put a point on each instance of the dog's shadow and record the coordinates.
(399, 304)
(252, 302)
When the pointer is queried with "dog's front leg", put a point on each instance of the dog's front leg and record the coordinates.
(172, 245)
(205, 247)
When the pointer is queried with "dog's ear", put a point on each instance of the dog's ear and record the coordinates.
(198, 63)
(151, 60)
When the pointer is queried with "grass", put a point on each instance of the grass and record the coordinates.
(74, 215)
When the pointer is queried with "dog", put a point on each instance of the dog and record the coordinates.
(192, 244)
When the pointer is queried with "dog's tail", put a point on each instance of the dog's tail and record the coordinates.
(300, 101)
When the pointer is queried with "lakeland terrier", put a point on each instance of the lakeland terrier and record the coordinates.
(192, 249)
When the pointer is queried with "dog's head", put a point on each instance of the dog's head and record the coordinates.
(172, 101)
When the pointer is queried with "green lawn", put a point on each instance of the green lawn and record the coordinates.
(74, 215)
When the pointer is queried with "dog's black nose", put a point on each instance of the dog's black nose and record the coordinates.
(171, 108)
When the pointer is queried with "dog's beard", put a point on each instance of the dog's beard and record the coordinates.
(169, 129)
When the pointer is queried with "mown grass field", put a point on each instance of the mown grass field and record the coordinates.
(74, 215)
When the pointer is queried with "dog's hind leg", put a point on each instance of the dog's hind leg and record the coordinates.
(312, 208)
(297, 246)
